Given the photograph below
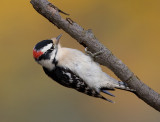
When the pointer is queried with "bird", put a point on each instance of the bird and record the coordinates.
(75, 69)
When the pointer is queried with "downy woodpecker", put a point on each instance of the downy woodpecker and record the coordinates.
(74, 69)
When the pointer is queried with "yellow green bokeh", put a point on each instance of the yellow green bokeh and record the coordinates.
(129, 28)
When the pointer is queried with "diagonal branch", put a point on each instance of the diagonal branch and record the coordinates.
(87, 39)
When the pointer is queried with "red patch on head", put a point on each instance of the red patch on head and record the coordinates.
(37, 54)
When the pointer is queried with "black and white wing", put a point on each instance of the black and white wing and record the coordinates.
(67, 78)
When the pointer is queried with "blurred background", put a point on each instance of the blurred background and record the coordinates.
(129, 28)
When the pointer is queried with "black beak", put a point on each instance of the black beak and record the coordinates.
(58, 38)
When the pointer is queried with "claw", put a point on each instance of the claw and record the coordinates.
(92, 55)
(107, 92)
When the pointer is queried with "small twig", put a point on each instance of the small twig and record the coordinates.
(70, 21)
(53, 6)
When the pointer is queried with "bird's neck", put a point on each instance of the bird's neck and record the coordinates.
(49, 61)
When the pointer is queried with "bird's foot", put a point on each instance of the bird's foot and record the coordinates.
(92, 55)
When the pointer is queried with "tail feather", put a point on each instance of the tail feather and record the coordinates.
(107, 100)
(107, 92)
(117, 84)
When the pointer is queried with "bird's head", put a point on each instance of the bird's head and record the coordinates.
(43, 49)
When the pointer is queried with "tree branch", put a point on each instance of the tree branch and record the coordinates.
(87, 39)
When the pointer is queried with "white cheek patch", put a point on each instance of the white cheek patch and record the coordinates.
(47, 64)
(44, 49)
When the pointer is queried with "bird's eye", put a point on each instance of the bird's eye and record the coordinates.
(52, 47)
(50, 50)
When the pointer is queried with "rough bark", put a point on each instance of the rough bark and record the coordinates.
(87, 39)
